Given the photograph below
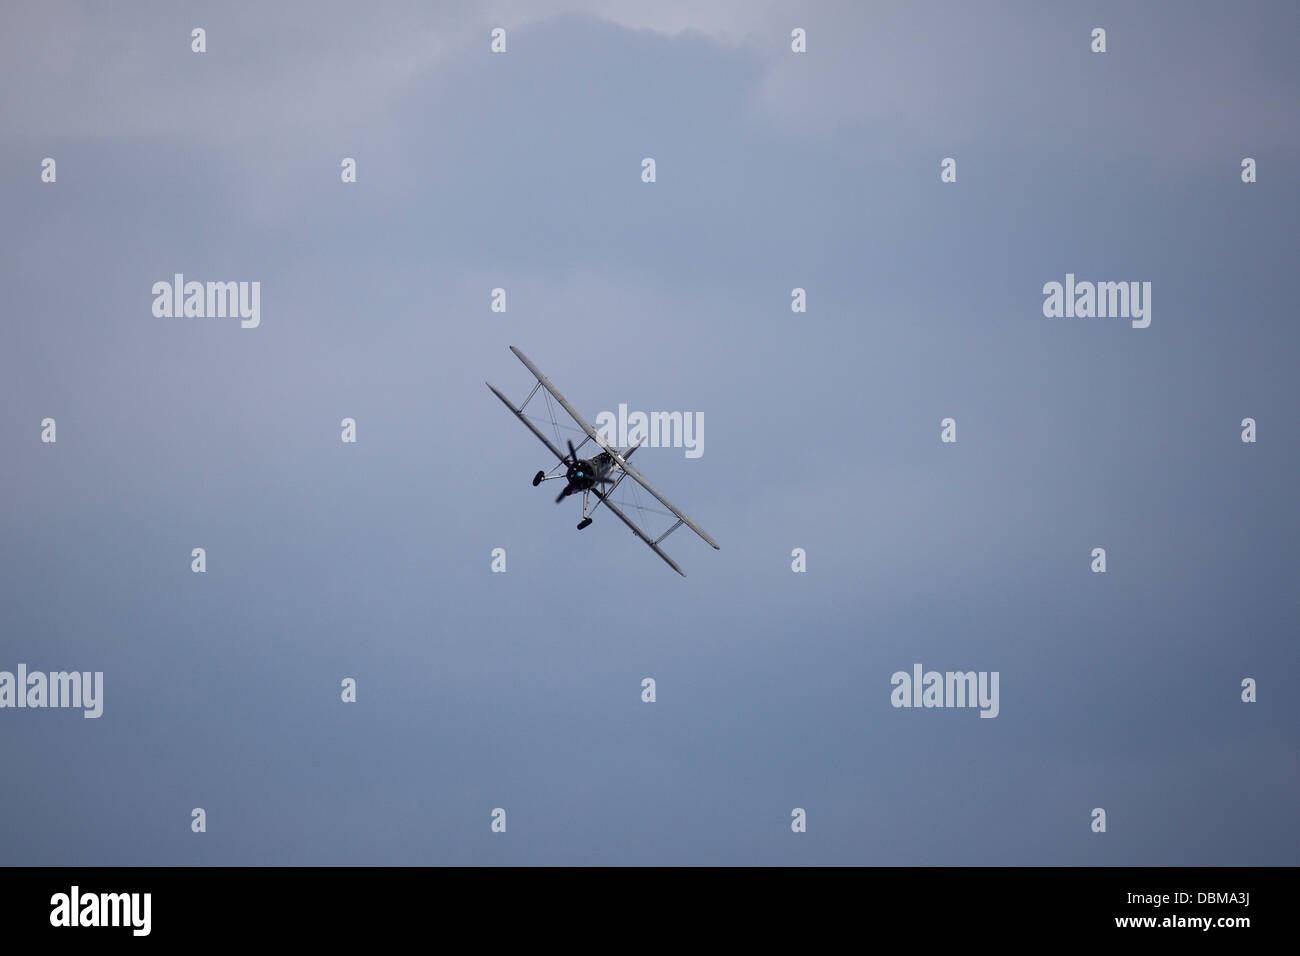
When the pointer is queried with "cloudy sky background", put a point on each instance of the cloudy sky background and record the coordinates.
(522, 690)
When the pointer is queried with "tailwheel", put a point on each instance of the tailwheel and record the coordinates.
(583, 523)
(537, 478)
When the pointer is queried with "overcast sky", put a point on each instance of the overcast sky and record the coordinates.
(522, 690)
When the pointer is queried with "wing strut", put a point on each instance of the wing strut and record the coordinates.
(654, 545)
(523, 418)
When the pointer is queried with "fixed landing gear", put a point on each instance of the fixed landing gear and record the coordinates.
(537, 478)
(583, 523)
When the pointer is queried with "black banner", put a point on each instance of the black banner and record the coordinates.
(364, 904)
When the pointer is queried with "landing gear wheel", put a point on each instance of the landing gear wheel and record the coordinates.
(537, 478)
(583, 523)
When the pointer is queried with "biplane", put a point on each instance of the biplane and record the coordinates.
(601, 474)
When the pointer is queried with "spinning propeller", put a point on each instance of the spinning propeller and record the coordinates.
(578, 471)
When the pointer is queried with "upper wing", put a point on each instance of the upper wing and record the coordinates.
(595, 436)
(564, 402)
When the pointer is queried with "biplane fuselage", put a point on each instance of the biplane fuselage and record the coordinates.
(588, 473)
